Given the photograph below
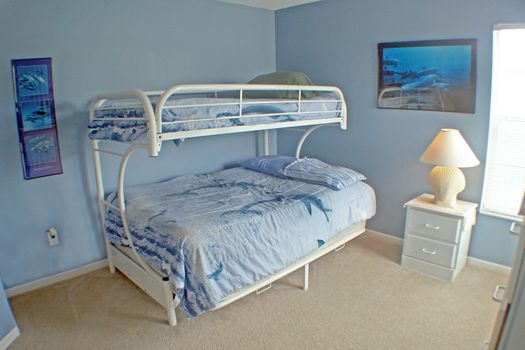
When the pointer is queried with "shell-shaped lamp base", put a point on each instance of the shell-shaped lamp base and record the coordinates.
(446, 183)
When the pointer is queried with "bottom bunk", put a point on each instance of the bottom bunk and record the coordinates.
(217, 237)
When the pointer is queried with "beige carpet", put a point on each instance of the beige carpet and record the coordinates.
(359, 298)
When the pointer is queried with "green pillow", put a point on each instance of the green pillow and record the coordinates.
(281, 78)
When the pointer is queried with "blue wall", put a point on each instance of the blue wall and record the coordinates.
(100, 46)
(7, 322)
(334, 41)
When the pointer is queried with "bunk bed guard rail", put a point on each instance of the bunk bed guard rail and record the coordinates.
(154, 103)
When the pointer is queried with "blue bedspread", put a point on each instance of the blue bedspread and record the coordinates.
(216, 233)
(203, 117)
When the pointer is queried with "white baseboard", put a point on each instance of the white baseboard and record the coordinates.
(62, 276)
(471, 261)
(392, 238)
(9, 338)
(59, 277)
(488, 265)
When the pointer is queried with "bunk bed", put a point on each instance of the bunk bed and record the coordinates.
(204, 241)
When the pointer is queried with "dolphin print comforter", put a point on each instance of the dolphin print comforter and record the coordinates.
(215, 233)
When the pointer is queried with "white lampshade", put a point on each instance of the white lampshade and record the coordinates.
(449, 149)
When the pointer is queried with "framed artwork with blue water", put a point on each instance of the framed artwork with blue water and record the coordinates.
(433, 75)
(35, 113)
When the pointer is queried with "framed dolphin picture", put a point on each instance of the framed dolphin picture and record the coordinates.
(435, 75)
(35, 112)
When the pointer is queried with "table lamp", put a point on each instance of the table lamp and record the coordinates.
(448, 152)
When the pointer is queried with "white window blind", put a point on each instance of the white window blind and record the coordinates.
(504, 180)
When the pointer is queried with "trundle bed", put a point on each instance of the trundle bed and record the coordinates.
(204, 241)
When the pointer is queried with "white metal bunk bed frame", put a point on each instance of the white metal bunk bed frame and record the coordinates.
(127, 260)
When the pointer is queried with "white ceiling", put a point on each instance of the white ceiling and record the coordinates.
(270, 4)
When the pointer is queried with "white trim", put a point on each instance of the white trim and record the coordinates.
(471, 261)
(491, 121)
(59, 277)
(9, 338)
(502, 26)
(488, 265)
(513, 218)
(387, 236)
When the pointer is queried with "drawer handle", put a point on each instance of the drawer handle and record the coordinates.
(432, 226)
(496, 292)
(428, 251)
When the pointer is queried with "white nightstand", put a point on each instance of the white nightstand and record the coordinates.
(437, 238)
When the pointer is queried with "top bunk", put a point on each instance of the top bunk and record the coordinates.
(186, 111)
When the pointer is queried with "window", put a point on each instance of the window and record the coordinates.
(504, 181)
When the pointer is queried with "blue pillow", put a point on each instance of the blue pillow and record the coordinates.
(272, 165)
(314, 171)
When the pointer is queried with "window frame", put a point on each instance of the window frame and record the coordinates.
(482, 210)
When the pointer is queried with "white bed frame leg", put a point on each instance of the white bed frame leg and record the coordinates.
(170, 307)
(172, 318)
(111, 265)
(306, 276)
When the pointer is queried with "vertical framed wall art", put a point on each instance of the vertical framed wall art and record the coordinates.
(433, 75)
(35, 113)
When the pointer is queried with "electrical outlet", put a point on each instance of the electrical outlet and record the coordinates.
(52, 236)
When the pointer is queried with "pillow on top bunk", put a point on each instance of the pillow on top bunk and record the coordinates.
(271, 165)
(314, 171)
(281, 78)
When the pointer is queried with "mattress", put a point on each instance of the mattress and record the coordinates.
(213, 234)
(185, 114)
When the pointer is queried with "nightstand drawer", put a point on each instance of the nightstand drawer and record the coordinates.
(431, 251)
(433, 226)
